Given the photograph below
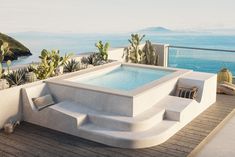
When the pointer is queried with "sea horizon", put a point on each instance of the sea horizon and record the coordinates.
(78, 43)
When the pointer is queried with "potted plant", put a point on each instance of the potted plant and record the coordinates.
(30, 75)
(9, 127)
(224, 75)
(4, 50)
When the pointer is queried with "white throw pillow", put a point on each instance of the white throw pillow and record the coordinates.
(43, 102)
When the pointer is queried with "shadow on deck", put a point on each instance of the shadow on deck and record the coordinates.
(30, 140)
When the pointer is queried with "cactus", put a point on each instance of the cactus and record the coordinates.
(149, 54)
(133, 53)
(224, 75)
(30, 77)
(4, 50)
(1, 71)
(50, 61)
(103, 50)
(8, 66)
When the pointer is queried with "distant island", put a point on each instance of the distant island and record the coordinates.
(163, 30)
(156, 30)
(15, 46)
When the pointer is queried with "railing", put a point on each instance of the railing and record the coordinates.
(201, 59)
(197, 48)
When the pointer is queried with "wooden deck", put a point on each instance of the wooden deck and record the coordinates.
(31, 140)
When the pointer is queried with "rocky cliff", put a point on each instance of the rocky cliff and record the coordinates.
(16, 48)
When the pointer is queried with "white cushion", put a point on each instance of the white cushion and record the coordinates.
(43, 102)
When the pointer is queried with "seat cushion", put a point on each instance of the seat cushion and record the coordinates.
(43, 101)
(189, 93)
(226, 88)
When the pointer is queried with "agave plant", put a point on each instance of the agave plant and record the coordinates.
(93, 59)
(16, 77)
(71, 66)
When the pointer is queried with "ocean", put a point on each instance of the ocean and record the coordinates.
(205, 61)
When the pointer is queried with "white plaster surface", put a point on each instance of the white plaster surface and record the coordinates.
(81, 115)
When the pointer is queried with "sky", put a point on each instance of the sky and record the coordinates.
(100, 16)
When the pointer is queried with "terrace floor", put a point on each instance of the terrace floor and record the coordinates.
(30, 140)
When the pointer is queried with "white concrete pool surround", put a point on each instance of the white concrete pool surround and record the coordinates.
(143, 117)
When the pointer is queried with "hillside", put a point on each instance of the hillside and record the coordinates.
(16, 47)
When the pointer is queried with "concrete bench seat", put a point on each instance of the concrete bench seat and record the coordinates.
(177, 108)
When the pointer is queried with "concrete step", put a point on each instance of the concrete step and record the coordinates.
(128, 139)
(141, 122)
(169, 108)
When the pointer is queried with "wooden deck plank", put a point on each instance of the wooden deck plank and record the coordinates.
(7, 150)
(167, 150)
(40, 146)
(32, 140)
(14, 147)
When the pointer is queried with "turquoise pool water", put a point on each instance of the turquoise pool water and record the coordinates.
(125, 78)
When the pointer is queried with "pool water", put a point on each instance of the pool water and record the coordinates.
(124, 78)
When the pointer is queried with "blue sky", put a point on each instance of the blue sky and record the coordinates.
(114, 15)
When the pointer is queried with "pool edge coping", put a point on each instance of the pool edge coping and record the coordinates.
(62, 81)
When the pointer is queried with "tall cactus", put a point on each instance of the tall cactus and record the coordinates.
(147, 55)
(150, 55)
(4, 50)
(133, 53)
(103, 50)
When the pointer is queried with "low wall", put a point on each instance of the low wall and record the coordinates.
(11, 103)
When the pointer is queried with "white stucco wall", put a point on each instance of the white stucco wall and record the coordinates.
(11, 103)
